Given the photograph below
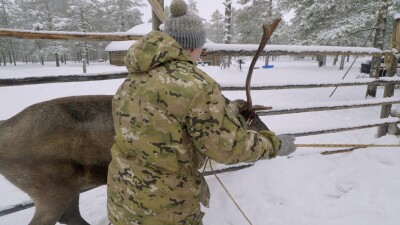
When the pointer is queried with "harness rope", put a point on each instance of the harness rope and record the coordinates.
(226, 190)
(343, 145)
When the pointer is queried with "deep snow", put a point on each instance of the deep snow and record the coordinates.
(357, 188)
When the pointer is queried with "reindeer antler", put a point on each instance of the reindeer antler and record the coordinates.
(268, 29)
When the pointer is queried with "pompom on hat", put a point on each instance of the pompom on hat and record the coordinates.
(185, 27)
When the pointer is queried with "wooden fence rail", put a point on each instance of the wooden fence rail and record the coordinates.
(325, 106)
(63, 35)
(60, 79)
(369, 124)
(320, 107)
(121, 75)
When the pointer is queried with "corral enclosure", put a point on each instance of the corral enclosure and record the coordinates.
(298, 124)
(298, 189)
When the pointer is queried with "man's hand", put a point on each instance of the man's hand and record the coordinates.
(287, 145)
(255, 123)
(283, 145)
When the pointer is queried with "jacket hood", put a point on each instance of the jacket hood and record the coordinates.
(152, 50)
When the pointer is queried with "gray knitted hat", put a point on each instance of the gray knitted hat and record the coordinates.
(185, 27)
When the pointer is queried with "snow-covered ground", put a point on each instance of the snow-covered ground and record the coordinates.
(357, 188)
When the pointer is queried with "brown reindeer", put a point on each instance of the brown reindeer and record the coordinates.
(54, 150)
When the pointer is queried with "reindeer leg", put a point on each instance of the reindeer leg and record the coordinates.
(72, 216)
(49, 208)
(56, 193)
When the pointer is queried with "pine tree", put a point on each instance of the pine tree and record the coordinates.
(192, 6)
(121, 15)
(251, 17)
(328, 22)
(216, 27)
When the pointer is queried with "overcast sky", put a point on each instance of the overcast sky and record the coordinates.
(206, 8)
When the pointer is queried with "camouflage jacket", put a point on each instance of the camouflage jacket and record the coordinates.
(168, 117)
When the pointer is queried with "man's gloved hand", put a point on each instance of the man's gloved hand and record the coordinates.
(287, 146)
(283, 145)
(256, 124)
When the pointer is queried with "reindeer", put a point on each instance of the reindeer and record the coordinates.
(54, 150)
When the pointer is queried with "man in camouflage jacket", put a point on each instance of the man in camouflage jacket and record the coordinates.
(168, 117)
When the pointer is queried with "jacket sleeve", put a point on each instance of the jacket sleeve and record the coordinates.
(218, 133)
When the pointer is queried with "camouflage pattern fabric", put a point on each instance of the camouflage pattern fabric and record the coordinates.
(168, 117)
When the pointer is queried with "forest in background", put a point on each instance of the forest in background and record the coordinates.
(324, 22)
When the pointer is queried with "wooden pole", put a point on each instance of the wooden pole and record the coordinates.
(378, 43)
(389, 88)
(55, 35)
(158, 9)
(84, 65)
(156, 19)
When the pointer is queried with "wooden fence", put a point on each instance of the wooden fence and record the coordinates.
(385, 102)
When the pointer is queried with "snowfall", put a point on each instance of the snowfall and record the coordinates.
(355, 188)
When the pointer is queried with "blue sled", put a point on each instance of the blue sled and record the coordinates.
(268, 66)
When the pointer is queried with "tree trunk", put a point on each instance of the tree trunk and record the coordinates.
(378, 43)
(4, 58)
(10, 57)
(13, 53)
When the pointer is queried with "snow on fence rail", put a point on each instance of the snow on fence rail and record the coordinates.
(209, 48)
(276, 50)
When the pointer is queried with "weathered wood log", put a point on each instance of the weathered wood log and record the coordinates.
(326, 106)
(334, 130)
(60, 79)
(315, 85)
(57, 35)
(158, 10)
(119, 75)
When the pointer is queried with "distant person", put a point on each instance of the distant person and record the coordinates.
(169, 116)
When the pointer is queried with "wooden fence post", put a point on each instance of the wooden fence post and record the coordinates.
(391, 62)
(378, 43)
(342, 62)
(57, 60)
(84, 65)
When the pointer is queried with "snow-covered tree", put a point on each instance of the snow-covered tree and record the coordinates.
(216, 27)
(192, 6)
(329, 22)
(251, 17)
(228, 22)
(121, 15)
